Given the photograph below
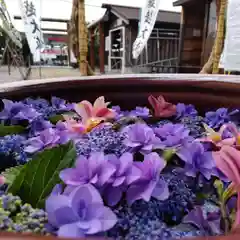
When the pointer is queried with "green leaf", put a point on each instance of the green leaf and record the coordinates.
(59, 117)
(8, 130)
(38, 177)
(11, 173)
(54, 119)
(218, 184)
(168, 154)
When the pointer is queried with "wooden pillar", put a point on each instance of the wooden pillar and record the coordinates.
(92, 49)
(82, 39)
(101, 47)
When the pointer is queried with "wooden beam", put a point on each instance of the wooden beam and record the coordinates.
(101, 47)
(92, 48)
(54, 30)
(47, 19)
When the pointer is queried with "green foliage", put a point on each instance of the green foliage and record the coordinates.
(8, 130)
(37, 178)
(11, 173)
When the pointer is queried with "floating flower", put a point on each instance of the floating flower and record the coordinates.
(161, 107)
(79, 213)
(95, 170)
(126, 173)
(171, 135)
(228, 135)
(208, 222)
(46, 139)
(218, 118)
(60, 104)
(197, 160)
(228, 161)
(139, 137)
(149, 184)
(16, 111)
(99, 110)
(184, 110)
(38, 125)
(140, 112)
(74, 126)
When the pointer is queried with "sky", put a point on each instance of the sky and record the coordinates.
(62, 9)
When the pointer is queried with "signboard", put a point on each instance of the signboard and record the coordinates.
(148, 18)
(30, 11)
(7, 25)
(231, 58)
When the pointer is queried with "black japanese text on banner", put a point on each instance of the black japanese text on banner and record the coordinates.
(7, 25)
(148, 19)
(30, 11)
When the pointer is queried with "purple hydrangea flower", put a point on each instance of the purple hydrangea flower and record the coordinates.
(16, 111)
(139, 137)
(197, 160)
(203, 219)
(171, 135)
(184, 110)
(46, 139)
(38, 125)
(216, 119)
(95, 170)
(61, 105)
(140, 112)
(126, 173)
(79, 213)
(149, 184)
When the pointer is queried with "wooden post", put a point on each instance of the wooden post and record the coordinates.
(101, 47)
(92, 49)
(83, 39)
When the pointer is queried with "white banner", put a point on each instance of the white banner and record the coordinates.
(7, 25)
(148, 18)
(231, 58)
(30, 12)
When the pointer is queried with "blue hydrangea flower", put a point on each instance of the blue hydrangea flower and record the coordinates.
(216, 119)
(12, 151)
(16, 111)
(184, 110)
(101, 140)
(194, 124)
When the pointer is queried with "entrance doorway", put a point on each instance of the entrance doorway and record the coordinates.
(116, 57)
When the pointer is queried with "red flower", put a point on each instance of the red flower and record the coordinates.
(161, 107)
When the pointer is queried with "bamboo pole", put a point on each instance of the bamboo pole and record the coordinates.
(220, 36)
(83, 39)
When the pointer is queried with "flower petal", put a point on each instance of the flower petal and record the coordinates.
(161, 191)
(70, 231)
(113, 195)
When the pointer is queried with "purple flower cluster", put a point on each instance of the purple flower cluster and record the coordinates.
(172, 136)
(197, 160)
(216, 119)
(78, 212)
(113, 176)
(140, 138)
(16, 111)
(48, 138)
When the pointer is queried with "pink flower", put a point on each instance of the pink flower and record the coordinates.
(228, 161)
(216, 138)
(73, 126)
(161, 107)
(99, 110)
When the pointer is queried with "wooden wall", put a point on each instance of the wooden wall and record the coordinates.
(192, 35)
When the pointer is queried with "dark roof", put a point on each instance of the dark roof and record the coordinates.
(133, 13)
(181, 2)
